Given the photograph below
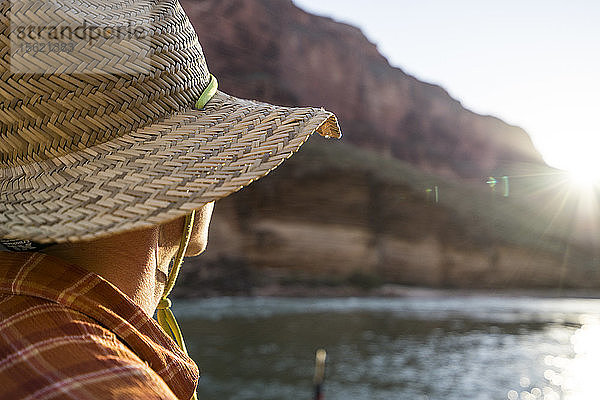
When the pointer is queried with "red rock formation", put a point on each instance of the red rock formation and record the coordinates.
(273, 51)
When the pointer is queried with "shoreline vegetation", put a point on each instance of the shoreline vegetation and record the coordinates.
(338, 216)
(394, 290)
(359, 286)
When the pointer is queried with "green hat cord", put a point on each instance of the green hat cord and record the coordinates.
(164, 315)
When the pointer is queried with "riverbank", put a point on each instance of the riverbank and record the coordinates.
(323, 290)
(391, 290)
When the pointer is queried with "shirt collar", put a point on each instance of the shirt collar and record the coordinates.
(50, 278)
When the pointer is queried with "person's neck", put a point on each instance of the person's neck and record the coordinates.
(131, 261)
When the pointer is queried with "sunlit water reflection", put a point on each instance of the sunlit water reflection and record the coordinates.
(406, 348)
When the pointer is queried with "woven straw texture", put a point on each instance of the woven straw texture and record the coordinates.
(88, 155)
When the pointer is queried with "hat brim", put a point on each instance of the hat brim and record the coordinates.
(154, 174)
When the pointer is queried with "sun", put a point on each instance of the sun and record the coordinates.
(584, 173)
(577, 153)
(581, 199)
(580, 158)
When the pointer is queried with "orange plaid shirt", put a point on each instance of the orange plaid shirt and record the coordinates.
(66, 333)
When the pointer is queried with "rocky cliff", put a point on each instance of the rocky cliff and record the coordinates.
(402, 199)
(274, 51)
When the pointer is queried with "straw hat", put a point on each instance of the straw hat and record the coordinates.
(110, 121)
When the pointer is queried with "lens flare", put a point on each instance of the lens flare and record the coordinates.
(585, 176)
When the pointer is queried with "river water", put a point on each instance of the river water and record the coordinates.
(425, 347)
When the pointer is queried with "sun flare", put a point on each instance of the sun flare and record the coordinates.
(576, 153)
(581, 159)
(585, 174)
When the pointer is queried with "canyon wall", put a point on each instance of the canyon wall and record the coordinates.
(365, 207)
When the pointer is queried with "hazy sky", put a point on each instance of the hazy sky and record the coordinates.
(533, 63)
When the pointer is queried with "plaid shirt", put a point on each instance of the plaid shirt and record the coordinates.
(66, 333)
